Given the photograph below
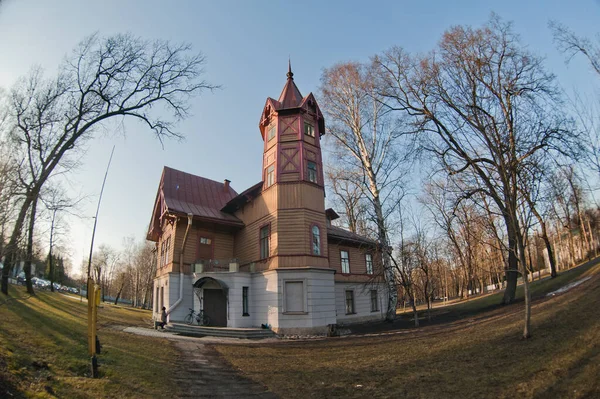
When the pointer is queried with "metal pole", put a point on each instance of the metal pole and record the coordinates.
(91, 291)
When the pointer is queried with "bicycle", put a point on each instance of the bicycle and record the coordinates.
(201, 318)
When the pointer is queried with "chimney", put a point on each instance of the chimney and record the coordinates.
(226, 185)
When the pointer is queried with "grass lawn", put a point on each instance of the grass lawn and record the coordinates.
(43, 351)
(473, 357)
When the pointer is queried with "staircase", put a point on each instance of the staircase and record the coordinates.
(227, 332)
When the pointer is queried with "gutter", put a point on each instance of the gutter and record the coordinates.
(187, 229)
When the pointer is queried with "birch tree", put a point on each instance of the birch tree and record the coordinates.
(370, 138)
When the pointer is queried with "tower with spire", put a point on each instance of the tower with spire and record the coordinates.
(291, 128)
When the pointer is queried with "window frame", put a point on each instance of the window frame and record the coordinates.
(267, 239)
(270, 175)
(245, 302)
(312, 239)
(311, 131)
(304, 297)
(167, 243)
(272, 132)
(313, 170)
(369, 263)
(349, 309)
(374, 301)
(347, 261)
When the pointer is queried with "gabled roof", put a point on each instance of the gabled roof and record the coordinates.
(183, 193)
(348, 236)
(241, 199)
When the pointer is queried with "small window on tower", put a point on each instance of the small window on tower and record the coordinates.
(272, 131)
(309, 129)
(270, 175)
(312, 172)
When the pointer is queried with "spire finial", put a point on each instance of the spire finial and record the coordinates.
(290, 75)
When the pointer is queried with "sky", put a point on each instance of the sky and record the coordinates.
(247, 45)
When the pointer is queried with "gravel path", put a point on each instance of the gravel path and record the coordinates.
(202, 372)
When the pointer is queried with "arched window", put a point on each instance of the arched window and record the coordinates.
(316, 240)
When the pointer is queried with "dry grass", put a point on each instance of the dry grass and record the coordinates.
(472, 358)
(43, 351)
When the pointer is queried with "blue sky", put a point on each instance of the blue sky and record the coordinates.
(247, 45)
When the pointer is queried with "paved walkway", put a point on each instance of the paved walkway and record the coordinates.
(203, 373)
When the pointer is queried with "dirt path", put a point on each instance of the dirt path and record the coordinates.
(205, 374)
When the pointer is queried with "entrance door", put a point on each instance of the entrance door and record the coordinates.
(215, 307)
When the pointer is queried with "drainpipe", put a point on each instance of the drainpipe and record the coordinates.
(187, 229)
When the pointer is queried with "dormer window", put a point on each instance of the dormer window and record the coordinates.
(309, 129)
(271, 134)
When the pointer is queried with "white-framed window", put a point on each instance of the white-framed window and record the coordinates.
(369, 262)
(205, 241)
(272, 131)
(270, 175)
(312, 171)
(245, 307)
(350, 302)
(374, 301)
(294, 299)
(316, 240)
(345, 260)
(265, 235)
(309, 129)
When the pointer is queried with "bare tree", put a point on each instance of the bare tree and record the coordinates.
(487, 105)
(362, 126)
(116, 77)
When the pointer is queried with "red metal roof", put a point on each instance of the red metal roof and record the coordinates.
(290, 95)
(204, 198)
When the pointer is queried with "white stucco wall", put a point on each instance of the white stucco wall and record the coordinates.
(362, 302)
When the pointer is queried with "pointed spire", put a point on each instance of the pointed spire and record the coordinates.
(290, 75)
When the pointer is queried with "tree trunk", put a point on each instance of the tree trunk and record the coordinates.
(513, 266)
(414, 307)
(29, 252)
(11, 247)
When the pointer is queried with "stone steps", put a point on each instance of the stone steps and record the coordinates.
(201, 331)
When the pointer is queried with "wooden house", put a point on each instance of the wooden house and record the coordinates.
(269, 255)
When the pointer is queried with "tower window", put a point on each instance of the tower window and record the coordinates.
(312, 172)
(270, 175)
(272, 131)
(265, 233)
(316, 240)
(309, 129)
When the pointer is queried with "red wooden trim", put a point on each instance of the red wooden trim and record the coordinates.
(289, 159)
(268, 240)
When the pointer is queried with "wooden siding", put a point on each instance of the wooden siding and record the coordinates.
(301, 196)
(358, 263)
(294, 225)
(246, 245)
